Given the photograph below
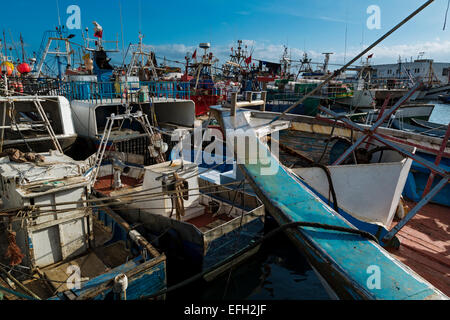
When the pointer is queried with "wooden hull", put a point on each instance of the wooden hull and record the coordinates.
(344, 260)
(368, 192)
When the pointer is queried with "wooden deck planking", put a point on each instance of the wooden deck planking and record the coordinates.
(425, 245)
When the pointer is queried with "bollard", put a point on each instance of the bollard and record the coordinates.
(120, 287)
(233, 103)
(263, 98)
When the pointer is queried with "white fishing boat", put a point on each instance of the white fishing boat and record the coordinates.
(368, 192)
(50, 232)
(25, 122)
(190, 218)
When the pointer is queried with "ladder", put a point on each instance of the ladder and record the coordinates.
(143, 120)
(47, 125)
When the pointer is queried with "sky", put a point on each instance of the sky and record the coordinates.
(175, 27)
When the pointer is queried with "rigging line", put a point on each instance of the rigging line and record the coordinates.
(13, 43)
(269, 235)
(360, 55)
(239, 233)
(446, 13)
(123, 195)
(127, 201)
(16, 293)
(36, 278)
(114, 204)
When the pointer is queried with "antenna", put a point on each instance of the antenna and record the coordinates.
(140, 16)
(59, 17)
(121, 29)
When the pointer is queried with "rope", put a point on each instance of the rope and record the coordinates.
(132, 200)
(140, 193)
(257, 243)
(330, 182)
(17, 294)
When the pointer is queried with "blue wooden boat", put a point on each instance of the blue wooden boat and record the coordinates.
(345, 261)
(211, 224)
(418, 178)
(436, 131)
(144, 266)
(68, 247)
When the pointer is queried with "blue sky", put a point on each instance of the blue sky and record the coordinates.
(174, 27)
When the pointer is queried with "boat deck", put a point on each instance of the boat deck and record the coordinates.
(209, 221)
(425, 245)
(104, 184)
(93, 263)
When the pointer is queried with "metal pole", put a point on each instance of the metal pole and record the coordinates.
(4, 115)
(438, 160)
(416, 209)
(336, 73)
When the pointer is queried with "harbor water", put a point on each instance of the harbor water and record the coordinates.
(441, 113)
(277, 272)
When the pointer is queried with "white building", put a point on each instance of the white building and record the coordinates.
(419, 69)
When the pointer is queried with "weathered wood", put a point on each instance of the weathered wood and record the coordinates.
(19, 284)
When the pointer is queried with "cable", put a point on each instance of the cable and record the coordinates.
(446, 13)
(117, 197)
(120, 204)
(17, 294)
(257, 243)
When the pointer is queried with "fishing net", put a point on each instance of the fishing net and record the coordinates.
(13, 251)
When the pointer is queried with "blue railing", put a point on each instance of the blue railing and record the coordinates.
(103, 92)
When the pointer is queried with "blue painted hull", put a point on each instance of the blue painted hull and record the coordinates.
(345, 261)
(146, 276)
(418, 178)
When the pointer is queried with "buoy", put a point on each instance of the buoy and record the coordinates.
(24, 68)
(9, 67)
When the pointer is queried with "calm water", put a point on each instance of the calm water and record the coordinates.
(277, 272)
(441, 113)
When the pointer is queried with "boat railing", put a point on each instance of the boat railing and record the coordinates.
(135, 92)
(284, 97)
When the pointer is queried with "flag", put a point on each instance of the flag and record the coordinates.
(248, 60)
(370, 56)
(194, 55)
(98, 30)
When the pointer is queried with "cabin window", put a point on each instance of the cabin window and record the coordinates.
(445, 72)
(29, 123)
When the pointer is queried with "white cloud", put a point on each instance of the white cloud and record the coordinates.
(264, 50)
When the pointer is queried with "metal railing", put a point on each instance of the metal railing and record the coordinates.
(104, 92)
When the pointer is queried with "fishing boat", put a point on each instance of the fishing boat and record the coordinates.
(200, 80)
(57, 246)
(31, 123)
(341, 256)
(101, 91)
(197, 223)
